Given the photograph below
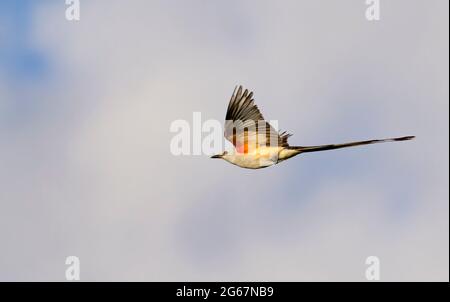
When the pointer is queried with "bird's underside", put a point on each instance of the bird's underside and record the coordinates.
(257, 144)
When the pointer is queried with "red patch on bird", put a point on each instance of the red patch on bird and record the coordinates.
(242, 148)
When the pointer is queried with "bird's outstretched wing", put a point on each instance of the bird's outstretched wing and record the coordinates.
(245, 126)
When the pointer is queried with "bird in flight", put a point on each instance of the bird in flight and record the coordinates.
(257, 144)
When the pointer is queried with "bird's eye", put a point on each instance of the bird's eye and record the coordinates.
(225, 152)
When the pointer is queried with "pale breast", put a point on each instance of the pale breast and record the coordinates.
(260, 158)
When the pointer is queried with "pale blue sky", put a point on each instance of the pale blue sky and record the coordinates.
(86, 169)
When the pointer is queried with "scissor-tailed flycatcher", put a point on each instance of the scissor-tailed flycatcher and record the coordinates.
(257, 144)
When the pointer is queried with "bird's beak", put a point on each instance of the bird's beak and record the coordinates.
(217, 156)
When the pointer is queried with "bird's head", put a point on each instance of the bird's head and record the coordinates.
(220, 155)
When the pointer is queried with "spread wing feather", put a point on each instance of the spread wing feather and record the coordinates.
(245, 126)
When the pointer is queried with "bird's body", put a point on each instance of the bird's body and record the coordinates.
(257, 144)
(261, 157)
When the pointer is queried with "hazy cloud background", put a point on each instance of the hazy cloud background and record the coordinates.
(86, 170)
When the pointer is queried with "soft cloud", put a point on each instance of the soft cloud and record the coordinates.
(92, 174)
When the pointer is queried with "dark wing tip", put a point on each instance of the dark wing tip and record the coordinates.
(283, 138)
(242, 106)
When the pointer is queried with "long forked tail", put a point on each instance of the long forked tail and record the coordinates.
(346, 145)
